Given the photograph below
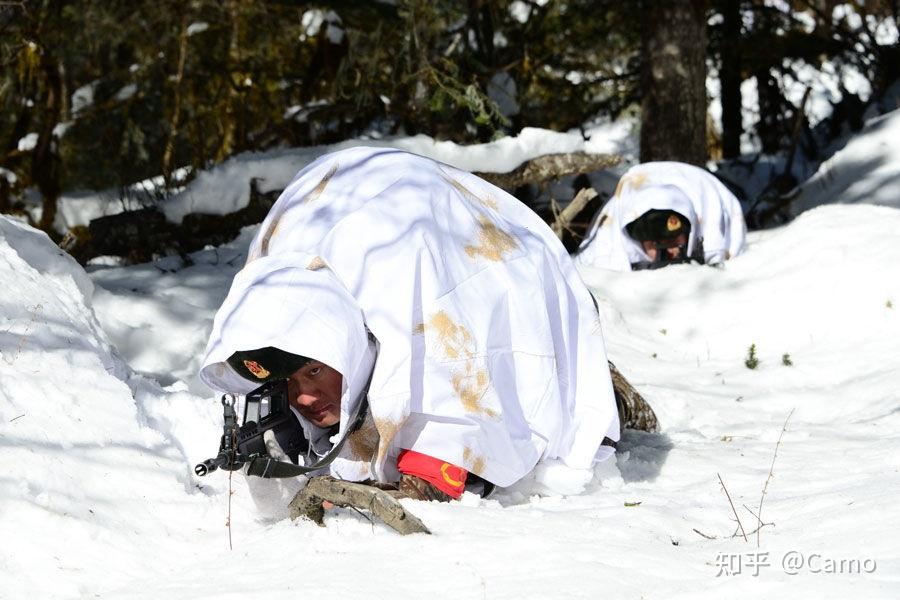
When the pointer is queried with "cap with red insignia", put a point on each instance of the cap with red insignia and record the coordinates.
(265, 364)
(658, 225)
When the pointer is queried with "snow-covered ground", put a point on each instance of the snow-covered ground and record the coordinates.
(102, 419)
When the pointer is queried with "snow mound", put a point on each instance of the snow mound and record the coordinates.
(822, 293)
(81, 462)
(865, 171)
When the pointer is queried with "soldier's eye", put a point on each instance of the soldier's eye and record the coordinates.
(315, 371)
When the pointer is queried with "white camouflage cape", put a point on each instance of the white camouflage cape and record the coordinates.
(490, 354)
(714, 212)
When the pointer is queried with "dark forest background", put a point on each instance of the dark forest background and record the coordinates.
(119, 91)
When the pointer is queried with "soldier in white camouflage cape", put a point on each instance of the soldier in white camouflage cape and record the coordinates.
(654, 204)
(482, 343)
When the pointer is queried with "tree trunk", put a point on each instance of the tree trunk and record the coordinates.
(175, 117)
(229, 115)
(45, 161)
(673, 111)
(5, 204)
(768, 128)
(482, 26)
(730, 78)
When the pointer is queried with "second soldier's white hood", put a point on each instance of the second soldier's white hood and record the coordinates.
(714, 212)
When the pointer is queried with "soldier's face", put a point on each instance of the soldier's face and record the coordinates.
(674, 250)
(315, 391)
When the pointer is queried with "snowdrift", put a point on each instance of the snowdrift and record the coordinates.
(866, 170)
(86, 466)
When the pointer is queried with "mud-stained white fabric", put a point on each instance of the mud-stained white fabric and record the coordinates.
(714, 212)
(490, 351)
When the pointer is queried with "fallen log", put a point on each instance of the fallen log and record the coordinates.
(140, 235)
(549, 167)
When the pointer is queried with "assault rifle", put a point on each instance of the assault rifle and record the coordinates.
(266, 409)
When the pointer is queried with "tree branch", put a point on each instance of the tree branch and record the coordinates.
(572, 210)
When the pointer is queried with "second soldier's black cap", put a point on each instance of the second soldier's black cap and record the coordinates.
(658, 225)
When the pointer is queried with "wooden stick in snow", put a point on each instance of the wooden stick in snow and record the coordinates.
(308, 503)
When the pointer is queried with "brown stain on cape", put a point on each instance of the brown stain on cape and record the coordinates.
(364, 441)
(273, 227)
(387, 430)
(635, 181)
(455, 340)
(456, 343)
(493, 242)
(459, 187)
(474, 462)
(316, 264)
(471, 385)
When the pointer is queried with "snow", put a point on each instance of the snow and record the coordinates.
(28, 142)
(126, 92)
(83, 97)
(866, 170)
(197, 27)
(102, 419)
(312, 21)
(520, 11)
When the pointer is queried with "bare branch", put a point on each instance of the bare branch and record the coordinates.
(740, 525)
(735, 534)
(564, 218)
(769, 478)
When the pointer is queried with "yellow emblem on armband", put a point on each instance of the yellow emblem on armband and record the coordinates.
(448, 478)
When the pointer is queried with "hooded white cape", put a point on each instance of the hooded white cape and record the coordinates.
(490, 354)
(714, 213)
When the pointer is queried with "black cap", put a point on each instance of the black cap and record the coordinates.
(265, 364)
(658, 225)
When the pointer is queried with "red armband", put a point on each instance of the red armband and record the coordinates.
(448, 478)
